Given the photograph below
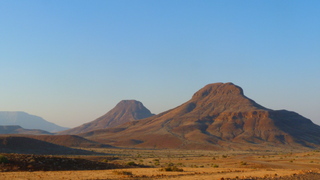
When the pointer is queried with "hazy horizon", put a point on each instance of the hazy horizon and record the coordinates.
(70, 62)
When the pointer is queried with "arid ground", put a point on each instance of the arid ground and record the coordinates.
(156, 164)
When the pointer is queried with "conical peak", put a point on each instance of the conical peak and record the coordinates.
(219, 89)
(124, 111)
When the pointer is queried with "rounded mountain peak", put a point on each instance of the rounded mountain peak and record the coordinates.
(219, 97)
(218, 89)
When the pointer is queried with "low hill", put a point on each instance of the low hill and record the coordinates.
(14, 129)
(27, 145)
(28, 121)
(69, 141)
(124, 111)
(218, 116)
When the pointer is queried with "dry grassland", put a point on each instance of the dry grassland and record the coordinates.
(195, 164)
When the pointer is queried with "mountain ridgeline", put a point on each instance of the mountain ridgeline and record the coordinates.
(219, 116)
(15, 129)
(27, 121)
(124, 111)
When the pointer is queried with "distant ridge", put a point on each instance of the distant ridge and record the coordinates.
(19, 130)
(218, 116)
(28, 121)
(124, 111)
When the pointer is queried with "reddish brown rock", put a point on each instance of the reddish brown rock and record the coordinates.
(218, 116)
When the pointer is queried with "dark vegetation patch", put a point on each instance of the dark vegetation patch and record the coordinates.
(171, 168)
(23, 162)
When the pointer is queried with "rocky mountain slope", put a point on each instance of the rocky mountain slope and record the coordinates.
(124, 111)
(28, 121)
(218, 116)
(14, 129)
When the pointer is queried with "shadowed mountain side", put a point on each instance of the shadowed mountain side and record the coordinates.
(14, 129)
(26, 145)
(69, 141)
(218, 116)
(124, 111)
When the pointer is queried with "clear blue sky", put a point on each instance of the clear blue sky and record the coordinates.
(72, 61)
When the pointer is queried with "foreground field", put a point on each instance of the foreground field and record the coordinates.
(195, 165)
(153, 173)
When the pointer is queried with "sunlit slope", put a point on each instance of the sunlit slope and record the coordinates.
(218, 116)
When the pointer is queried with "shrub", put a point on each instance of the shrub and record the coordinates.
(123, 172)
(243, 163)
(104, 160)
(171, 168)
(215, 166)
(170, 164)
(156, 162)
(180, 164)
(3, 159)
(131, 163)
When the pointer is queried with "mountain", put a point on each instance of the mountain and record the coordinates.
(124, 111)
(14, 129)
(218, 116)
(28, 121)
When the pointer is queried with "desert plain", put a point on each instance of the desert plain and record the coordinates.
(186, 164)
